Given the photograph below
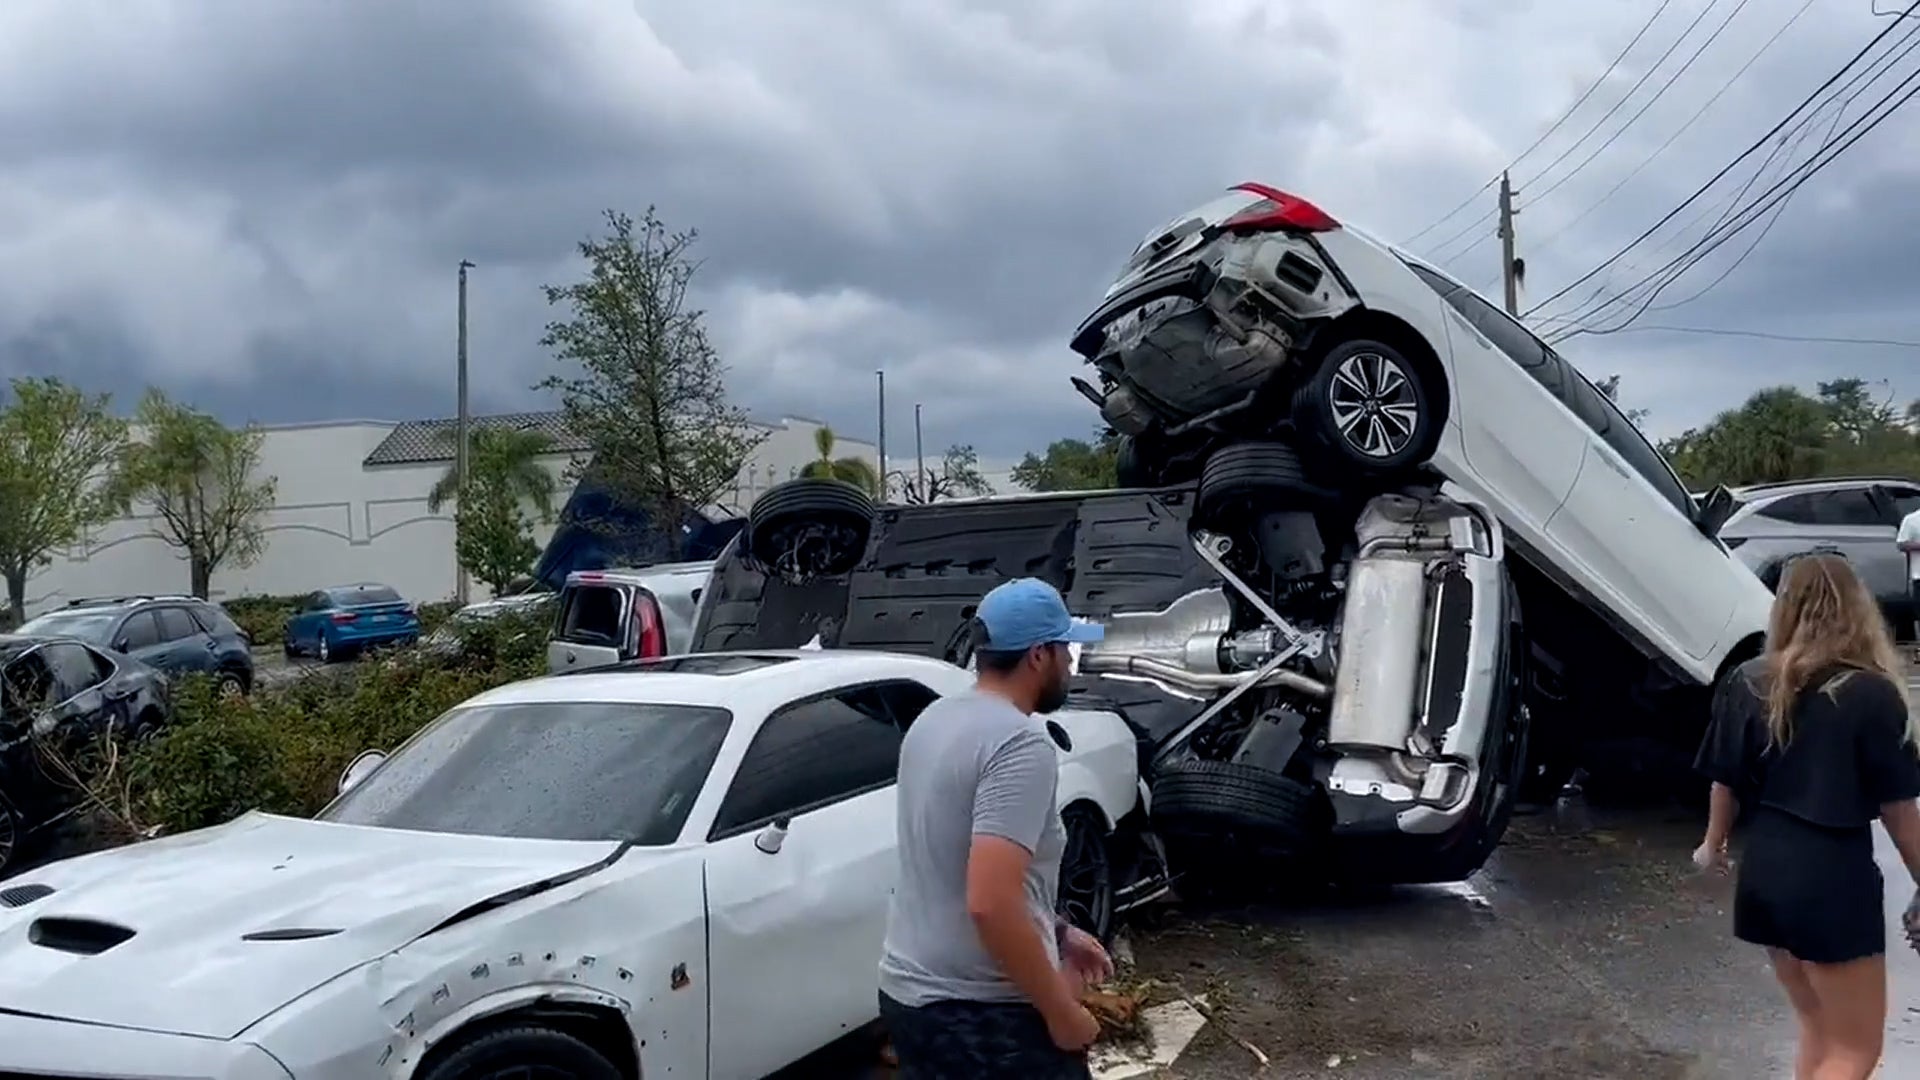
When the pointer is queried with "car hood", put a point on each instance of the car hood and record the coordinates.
(188, 901)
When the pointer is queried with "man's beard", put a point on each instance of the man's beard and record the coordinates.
(1054, 697)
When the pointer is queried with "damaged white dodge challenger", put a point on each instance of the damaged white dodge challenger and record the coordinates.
(679, 868)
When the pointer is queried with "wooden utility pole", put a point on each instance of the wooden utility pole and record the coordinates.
(1509, 273)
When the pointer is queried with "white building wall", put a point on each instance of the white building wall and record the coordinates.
(337, 520)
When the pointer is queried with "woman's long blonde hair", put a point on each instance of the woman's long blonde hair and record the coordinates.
(1823, 618)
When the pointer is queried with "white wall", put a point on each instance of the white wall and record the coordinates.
(337, 521)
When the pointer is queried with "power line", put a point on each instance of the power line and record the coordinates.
(1786, 145)
(1777, 193)
(1564, 117)
(1684, 128)
(1622, 130)
(1811, 339)
(1634, 89)
(1748, 152)
(1759, 207)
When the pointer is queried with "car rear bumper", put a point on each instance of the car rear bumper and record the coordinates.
(375, 634)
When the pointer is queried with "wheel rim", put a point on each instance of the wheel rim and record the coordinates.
(325, 652)
(229, 686)
(1086, 893)
(1373, 405)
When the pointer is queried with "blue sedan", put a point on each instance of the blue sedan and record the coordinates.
(335, 623)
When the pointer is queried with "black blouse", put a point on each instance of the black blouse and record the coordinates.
(1848, 754)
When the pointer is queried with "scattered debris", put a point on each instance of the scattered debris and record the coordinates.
(1199, 1003)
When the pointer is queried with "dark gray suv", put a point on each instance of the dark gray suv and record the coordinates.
(175, 634)
(1854, 515)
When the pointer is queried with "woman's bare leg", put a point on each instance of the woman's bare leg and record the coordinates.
(1806, 1009)
(1852, 1004)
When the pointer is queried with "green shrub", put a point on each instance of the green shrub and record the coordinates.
(264, 618)
(283, 748)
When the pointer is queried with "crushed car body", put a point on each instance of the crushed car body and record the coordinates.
(668, 867)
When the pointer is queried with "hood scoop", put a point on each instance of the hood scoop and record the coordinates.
(21, 895)
(82, 937)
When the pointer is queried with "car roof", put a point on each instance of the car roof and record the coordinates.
(784, 675)
(1818, 483)
(87, 602)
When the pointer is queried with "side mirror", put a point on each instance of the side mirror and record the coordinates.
(1714, 511)
(773, 836)
(360, 768)
(120, 645)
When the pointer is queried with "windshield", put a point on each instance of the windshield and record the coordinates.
(92, 626)
(577, 770)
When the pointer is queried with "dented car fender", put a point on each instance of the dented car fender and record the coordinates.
(628, 941)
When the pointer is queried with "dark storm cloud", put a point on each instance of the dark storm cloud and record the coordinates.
(259, 206)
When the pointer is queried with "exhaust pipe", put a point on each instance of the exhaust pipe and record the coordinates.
(1161, 671)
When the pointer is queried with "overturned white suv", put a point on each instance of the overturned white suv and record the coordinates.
(1385, 559)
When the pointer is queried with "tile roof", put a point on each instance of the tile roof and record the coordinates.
(417, 442)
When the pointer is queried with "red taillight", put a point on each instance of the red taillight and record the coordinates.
(1278, 210)
(649, 633)
(344, 616)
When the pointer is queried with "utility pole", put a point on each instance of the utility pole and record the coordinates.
(1509, 274)
(461, 586)
(882, 377)
(919, 451)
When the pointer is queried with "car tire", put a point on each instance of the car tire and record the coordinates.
(229, 682)
(1346, 410)
(1245, 480)
(1086, 892)
(509, 1053)
(286, 647)
(1244, 806)
(810, 528)
(323, 651)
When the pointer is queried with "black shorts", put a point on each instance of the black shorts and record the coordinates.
(975, 1040)
(1813, 891)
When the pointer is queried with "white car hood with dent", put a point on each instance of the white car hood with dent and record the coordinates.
(190, 898)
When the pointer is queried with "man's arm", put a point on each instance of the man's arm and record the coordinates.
(1010, 811)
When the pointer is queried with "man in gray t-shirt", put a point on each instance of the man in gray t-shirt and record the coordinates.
(971, 979)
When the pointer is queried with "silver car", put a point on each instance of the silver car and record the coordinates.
(1856, 516)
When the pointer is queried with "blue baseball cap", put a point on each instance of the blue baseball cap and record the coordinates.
(1025, 612)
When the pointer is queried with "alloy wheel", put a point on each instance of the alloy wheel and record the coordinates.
(325, 652)
(1373, 404)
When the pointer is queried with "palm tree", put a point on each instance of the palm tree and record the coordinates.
(848, 470)
(506, 460)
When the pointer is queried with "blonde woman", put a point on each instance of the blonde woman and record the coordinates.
(1815, 741)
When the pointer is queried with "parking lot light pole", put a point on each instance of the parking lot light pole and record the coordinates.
(461, 585)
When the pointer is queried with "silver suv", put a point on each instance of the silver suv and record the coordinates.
(1854, 515)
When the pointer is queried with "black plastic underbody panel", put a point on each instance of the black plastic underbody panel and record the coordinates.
(926, 568)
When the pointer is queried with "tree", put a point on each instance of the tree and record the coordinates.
(493, 533)
(1610, 386)
(857, 471)
(957, 476)
(197, 474)
(60, 457)
(1782, 433)
(644, 388)
(1072, 465)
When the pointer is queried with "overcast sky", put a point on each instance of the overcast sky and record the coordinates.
(260, 206)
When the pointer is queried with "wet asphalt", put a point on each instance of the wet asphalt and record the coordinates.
(1588, 947)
